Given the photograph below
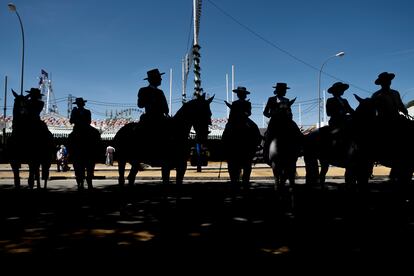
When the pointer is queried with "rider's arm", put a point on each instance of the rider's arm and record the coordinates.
(248, 109)
(267, 110)
(141, 100)
(73, 115)
(401, 105)
(88, 117)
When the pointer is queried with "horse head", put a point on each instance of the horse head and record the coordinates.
(366, 111)
(20, 107)
(198, 114)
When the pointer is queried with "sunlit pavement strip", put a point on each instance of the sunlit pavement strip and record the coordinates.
(70, 184)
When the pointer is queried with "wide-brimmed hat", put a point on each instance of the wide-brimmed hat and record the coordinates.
(34, 92)
(241, 90)
(79, 101)
(151, 74)
(384, 76)
(280, 86)
(338, 87)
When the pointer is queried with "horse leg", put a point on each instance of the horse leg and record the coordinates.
(291, 173)
(247, 170)
(234, 173)
(165, 171)
(311, 167)
(180, 172)
(132, 173)
(121, 171)
(79, 174)
(277, 175)
(90, 168)
(45, 173)
(322, 174)
(36, 173)
(16, 174)
(32, 176)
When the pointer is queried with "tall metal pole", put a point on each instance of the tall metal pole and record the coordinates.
(263, 117)
(196, 48)
(70, 100)
(232, 82)
(197, 70)
(340, 54)
(171, 91)
(183, 80)
(12, 8)
(4, 111)
(47, 99)
(324, 107)
(227, 95)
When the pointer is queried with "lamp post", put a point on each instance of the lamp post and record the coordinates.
(340, 54)
(13, 8)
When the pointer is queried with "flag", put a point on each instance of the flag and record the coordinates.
(40, 81)
(45, 73)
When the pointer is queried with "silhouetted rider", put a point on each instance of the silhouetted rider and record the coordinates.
(273, 102)
(271, 109)
(393, 128)
(337, 107)
(153, 122)
(241, 108)
(80, 116)
(241, 138)
(153, 99)
(388, 101)
(34, 104)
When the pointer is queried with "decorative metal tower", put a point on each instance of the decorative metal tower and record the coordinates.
(45, 86)
(198, 91)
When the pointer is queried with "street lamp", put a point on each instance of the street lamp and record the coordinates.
(340, 54)
(12, 8)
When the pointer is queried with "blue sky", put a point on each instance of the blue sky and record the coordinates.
(102, 49)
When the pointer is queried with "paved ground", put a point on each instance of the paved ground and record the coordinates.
(212, 172)
(205, 226)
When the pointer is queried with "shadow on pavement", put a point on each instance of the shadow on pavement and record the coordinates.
(207, 225)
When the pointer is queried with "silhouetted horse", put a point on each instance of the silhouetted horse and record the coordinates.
(283, 145)
(31, 142)
(170, 148)
(389, 141)
(84, 147)
(348, 147)
(241, 139)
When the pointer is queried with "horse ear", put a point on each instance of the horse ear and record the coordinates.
(228, 104)
(14, 93)
(358, 98)
(211, 99)
(292, 101)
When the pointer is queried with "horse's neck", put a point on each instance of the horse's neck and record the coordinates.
(281, 120)
(180, 125)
